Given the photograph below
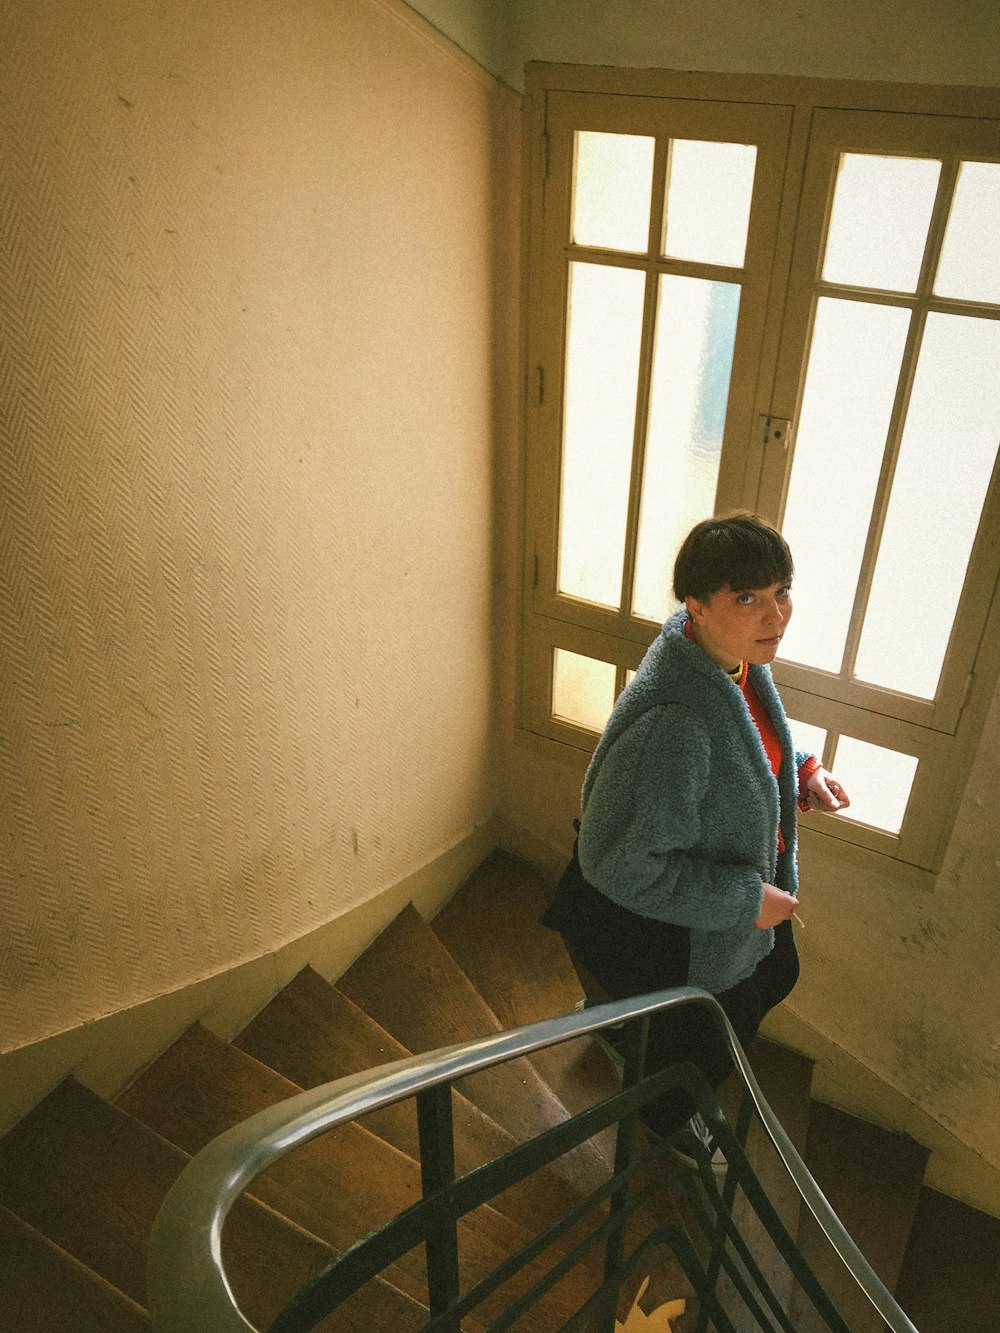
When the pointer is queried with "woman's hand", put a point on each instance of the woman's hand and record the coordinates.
(777, 906)
(824, 792)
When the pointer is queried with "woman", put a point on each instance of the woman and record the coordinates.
(684, 871)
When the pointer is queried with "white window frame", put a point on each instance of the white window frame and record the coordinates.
(943, 734)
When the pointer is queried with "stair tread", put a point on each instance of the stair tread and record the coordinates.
(340, 1186)
(872, 1179)
(46, 1288)
(491, 927)
(439, 1007)
(312, 1033)
(950, 1276)
(92, 1179)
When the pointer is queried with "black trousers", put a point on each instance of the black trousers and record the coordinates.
(628, 955)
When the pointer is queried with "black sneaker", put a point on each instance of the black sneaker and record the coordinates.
(691, 1143)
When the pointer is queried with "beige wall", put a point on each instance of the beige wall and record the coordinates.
(250, 259)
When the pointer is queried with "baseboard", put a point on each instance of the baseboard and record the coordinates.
(108, 1053)
(547, 859)
(842, 1081)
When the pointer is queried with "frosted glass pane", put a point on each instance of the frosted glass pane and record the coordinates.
(947, 455)
(709, 187)
(692, 360)
(969, 267)
(806, 738)
(877, 780)
(583, 689)
(602, 369)
(878, 228)
(850, 385)
(614, 184)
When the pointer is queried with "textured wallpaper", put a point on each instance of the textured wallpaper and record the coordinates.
(246, 278)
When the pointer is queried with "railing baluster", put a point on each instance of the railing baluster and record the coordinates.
(437, 1171)
(625, 1151)
(725, 1213)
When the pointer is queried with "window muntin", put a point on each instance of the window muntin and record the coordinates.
(808, 739)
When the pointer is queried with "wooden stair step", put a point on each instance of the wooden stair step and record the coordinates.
(950, 1279)
(311, 1033)
(85, 1176)
(46, 1290)
(872, 1179)
(439, 1006)
(491, 927)
(92, 1179)
(340, 1186)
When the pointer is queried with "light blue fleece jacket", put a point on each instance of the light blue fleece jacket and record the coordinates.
(681, 808)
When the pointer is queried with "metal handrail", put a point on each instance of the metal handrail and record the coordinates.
(187, 1288)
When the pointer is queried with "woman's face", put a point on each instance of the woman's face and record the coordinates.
(733, 626)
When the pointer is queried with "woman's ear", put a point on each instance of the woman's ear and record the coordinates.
(695, 609)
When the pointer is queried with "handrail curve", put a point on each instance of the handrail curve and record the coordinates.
(185, 1272)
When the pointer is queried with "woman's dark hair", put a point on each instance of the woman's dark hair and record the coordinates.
(740, 551)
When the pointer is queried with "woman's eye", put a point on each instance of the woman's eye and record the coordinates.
(785, 592)
(744, 598)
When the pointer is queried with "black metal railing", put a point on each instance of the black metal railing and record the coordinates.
(714, 1230)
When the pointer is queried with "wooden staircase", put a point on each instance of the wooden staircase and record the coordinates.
(81, 1180)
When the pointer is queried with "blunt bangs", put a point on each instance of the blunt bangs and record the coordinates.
(741, 551)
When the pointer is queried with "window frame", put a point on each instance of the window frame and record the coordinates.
(944, 738)
(833, 132)
(611, 115)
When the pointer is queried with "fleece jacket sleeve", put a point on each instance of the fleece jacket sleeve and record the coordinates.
(640, 837)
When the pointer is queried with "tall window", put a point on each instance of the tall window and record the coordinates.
(796, 310)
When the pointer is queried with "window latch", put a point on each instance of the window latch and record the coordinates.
(777, 430)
